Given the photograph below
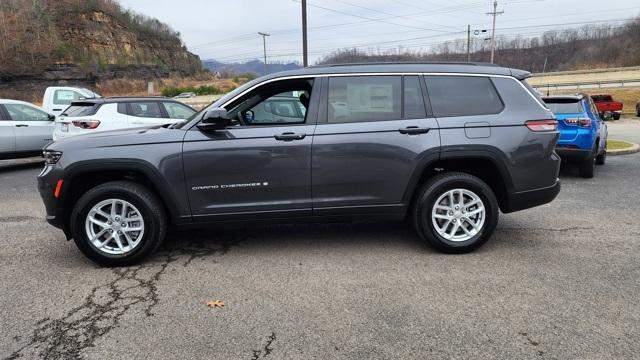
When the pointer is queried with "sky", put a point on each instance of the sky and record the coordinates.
(228, 30)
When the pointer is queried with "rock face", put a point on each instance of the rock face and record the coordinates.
(87, 40)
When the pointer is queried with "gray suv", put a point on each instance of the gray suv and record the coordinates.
(447, 146)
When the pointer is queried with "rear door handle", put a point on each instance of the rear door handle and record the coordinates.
(289, 136)
(22, 125)
(412, 130)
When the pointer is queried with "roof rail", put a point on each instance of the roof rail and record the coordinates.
(408, 63)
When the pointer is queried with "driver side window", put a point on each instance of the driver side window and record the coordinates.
(279, 103)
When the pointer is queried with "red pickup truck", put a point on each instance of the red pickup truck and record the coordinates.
(606, 103)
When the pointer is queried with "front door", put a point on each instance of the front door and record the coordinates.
(374, 133)
(260, 166)
(33, 128)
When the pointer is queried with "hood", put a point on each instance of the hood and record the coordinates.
(124, 137)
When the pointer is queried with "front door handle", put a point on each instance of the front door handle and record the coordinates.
(22, 125)
(57, 109)
(289, 136)
(412, 130)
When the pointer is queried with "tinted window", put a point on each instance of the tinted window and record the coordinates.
(178, 111)
(148, 109)
(564, 106)
(20, 112)
(463, 96)
(122, 108)
(80, 110)
(413, 99)
(65, 97)
(364, 98)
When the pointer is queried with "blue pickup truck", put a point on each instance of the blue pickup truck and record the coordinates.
(583, 135)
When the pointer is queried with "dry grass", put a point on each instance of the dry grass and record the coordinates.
(628, 96)
(128, 87)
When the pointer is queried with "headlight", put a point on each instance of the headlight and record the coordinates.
(51, 157)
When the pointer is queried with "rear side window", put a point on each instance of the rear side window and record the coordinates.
(122, 108)
(413, 99)
(364, 98)
(463, 96)
(177, 110)
(147, 109)
(77, 110)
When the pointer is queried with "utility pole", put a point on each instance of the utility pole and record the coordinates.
(264, 47)
(468, 43)
(305, 58)
(493, 32)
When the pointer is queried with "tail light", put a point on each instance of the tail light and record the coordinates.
(86, 124)
(542, 125)
(584, 122)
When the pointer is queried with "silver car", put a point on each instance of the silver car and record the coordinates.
(24, 129)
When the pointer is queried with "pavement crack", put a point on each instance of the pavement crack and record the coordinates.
(266, 350)
(132, 288)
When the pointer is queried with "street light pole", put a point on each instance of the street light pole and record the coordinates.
(264, 47)
(305, 58)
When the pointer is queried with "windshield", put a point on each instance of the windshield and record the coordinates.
(88, 94)
(564, 106)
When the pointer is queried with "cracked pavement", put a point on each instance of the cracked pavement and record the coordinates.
(558, 281)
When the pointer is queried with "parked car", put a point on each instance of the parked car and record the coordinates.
(57, 98)
(102, 114)
(481, 142)
(583, 135)
(24, 129)
(185, 95)
(605, 103)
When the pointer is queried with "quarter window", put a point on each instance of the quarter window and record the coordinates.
(147, 109)
(364, 98)
(463, 96)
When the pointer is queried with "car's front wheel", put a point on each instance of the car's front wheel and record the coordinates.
(118, 223)
(455, 212)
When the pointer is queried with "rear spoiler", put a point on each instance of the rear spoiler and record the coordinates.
(520, 74)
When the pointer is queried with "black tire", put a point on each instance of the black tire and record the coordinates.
(638, 111)
(587, 166)
(145, 200)
(602, 157)
(616, 116)
(426, 199)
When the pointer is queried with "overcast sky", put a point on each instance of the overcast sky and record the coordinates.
(227, 30)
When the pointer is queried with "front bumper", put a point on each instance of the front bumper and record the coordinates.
(528, 199)
(46, 186)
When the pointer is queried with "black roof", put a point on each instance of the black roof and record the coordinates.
(412, 67)
(119, 99)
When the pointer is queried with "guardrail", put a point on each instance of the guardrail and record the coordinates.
(589, 85)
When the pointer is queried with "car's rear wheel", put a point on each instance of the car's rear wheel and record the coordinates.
(118, 223)
(455, 212)
(587, 166)
(616, 116)
(602, 157)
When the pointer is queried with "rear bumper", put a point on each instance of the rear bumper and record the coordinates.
(528, 199)
(573, 155)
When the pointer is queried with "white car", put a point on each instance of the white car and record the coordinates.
(24, 129)
(112, 113)
(57, 98)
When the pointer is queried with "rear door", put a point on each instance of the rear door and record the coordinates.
(7, 136)
(146, 113)
(32, 127)
(258, 167)
(374, 132)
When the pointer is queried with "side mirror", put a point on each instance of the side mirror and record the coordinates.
(214, 119)
(607, 115)
(51, 117)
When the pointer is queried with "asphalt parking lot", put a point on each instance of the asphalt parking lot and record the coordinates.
(559, 281)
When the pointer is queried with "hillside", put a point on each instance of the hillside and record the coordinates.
(586, 47)
(253, 66)
(71, 39)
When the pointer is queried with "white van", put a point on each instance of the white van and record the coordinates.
(58, 98)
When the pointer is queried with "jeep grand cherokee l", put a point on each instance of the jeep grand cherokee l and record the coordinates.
(446, 145)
